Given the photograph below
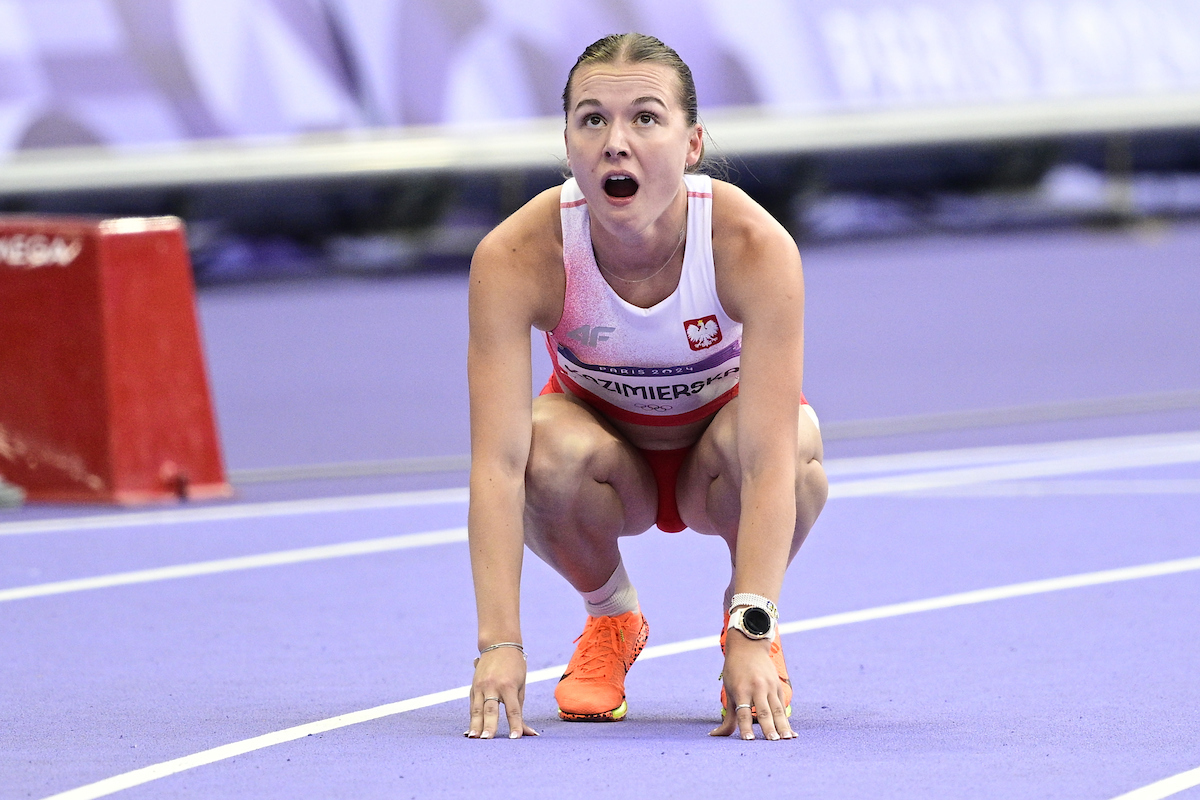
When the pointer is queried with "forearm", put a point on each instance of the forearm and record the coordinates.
(496, 534)
(765, 530)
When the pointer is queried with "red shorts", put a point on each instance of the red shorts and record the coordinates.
(665, 465)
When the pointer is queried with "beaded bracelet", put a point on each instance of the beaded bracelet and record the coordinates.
(757, 600)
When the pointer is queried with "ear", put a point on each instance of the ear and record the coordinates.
(695, 146)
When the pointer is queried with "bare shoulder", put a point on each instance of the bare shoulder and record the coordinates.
(520, 262)
(738, 217)
(529, 235)
(751, 250)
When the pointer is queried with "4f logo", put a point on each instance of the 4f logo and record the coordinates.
(589, 335)
(702, 333)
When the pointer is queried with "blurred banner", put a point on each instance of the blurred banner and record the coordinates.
(136, 72)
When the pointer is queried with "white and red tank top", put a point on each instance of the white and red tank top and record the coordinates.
(670, 364)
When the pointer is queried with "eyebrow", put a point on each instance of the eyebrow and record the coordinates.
(588, 101)
(649, 99)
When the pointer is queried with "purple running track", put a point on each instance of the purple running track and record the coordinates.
(1086, 692)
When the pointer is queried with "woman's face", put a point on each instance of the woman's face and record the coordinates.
(628, 141)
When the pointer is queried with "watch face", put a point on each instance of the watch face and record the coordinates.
(757, 621)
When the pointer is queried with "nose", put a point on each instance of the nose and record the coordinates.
(618, 143)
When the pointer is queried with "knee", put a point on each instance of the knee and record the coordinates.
(719, 453)
(560, 459)
(812, 490)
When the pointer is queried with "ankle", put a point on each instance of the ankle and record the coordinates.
(617, 596)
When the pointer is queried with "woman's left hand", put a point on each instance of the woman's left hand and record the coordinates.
(752, 685)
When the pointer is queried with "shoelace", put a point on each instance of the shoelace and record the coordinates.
(605, 640)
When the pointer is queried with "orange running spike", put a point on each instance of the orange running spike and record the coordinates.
(593, 687)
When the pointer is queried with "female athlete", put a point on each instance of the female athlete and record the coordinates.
(673, 310)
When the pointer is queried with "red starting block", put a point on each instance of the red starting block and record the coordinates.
(103, 391)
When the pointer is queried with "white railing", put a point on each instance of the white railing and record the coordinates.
(538, 144)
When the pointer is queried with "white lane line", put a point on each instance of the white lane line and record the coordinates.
(851, 429)
(844, 466)
(137, 777)
(1175, 452)
(276, 508)
(1013, 415)
(998, 454)
(927, 460)
(162, 770)
(1085, 455)
(351, 469)
(1181, 453)
(278, 558)
(1094, 486)
(1166, 787)
(977, 480)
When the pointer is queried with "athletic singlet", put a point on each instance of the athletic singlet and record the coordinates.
(673, 363)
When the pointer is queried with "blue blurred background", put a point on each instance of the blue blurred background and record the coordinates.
(315, 137)
(134, 72)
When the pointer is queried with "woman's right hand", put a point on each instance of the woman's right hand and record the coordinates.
(499, 680)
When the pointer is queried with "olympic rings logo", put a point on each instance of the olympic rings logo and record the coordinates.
(653, 408)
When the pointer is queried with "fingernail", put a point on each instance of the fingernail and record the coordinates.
(749, 737)
(535, 733)
(485, 735)
(774, 736)
(514, 734)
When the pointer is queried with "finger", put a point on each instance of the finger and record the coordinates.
(766, 719)
(528, 731)
(516, 725)
(780, 715)
(728, 723)
(491, 717)
(745, 722)
(476, 726)
(782, 725)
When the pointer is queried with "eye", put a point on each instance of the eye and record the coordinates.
(593, 121)
(646, 118)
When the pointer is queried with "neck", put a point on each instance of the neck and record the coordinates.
(640, 255)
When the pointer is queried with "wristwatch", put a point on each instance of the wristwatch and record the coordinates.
(753, 616)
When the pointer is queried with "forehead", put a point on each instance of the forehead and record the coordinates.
(623, 81)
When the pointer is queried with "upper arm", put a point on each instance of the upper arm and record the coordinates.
(761, 284)
(513, 286)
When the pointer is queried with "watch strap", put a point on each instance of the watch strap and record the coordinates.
(737, 623)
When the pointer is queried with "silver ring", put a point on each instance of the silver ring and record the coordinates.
(497, 699)
(743, 705)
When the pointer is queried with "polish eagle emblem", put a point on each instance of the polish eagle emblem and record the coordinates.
(702, 333)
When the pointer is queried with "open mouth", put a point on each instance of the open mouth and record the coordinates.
(620, 186)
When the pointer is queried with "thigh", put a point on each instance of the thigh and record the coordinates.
(710, 481)
(577, 461)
